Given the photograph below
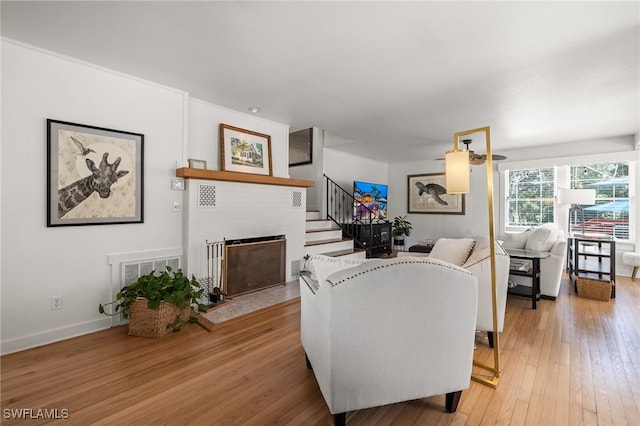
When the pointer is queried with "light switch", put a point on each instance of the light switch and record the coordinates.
(177, 184)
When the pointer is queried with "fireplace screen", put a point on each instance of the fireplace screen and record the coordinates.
(254, 264)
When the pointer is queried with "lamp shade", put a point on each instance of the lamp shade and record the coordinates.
(456, 164)
(576, 196)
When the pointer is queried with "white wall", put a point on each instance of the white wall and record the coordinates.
(40, 262)
(73, 262)
(344, 168)
(204, 135)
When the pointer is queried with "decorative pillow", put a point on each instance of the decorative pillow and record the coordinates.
(517, 241)
(542, 238)
(453, 250)
(322, 266)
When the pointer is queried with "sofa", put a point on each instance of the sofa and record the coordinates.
(546, 238)
(474, 255)
(383, 331)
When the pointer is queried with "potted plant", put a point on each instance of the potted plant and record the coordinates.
(158, 303)
(400, 228)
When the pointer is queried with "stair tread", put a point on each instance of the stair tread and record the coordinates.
(338, 253)
(310, 231)
(334, 240)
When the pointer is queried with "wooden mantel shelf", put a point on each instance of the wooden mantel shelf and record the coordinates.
(188, 173)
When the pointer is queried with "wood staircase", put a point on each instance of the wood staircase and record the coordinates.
(324, 237)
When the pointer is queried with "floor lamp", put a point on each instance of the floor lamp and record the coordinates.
(457, 182)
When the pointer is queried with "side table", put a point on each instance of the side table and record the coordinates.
(534, 273)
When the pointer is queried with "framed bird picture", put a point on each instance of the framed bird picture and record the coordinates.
(94, 175)
(428, 194)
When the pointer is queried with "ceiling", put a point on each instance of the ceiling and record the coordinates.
(388, 80)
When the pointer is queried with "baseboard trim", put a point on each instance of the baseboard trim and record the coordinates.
(52, 336)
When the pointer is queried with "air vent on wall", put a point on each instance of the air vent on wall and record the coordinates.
(296, 199)
(206, 196)
(131, 271)
(295, 268)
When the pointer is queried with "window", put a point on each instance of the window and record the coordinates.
(610, 215)
(530, 198)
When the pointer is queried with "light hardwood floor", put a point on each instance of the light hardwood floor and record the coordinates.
(572, 361)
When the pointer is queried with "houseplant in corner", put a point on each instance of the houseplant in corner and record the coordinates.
(157, 303)
(400, 228)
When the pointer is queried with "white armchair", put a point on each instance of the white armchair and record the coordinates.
(478, 263)
(388, 331)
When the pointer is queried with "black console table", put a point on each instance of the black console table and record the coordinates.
(376, 237)
(532, 272)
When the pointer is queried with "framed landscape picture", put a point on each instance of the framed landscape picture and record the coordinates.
(94, 175)
(428, 194)
(245, 151)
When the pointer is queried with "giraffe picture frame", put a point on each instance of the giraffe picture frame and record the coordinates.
(94, 175)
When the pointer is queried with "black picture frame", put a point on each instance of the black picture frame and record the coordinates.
(301, 147)
(95, 175)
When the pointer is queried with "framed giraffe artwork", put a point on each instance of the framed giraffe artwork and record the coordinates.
(94, 175)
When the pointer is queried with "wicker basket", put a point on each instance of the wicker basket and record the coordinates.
(594, 289)
(152, 323)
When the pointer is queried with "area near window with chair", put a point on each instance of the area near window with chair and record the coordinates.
(531, 195)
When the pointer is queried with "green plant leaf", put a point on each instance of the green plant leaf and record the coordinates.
(169, 286)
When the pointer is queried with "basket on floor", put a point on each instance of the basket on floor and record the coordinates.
(152, 323)
(594, 289)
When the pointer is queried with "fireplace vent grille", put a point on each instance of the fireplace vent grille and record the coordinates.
(296, 199)
(295, 268)
(206, 196)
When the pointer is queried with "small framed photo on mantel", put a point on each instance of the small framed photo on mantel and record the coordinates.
(197, 164)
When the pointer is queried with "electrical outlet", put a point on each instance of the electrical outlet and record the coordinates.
(56, 303)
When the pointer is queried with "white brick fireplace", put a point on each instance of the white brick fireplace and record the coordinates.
(219, 209)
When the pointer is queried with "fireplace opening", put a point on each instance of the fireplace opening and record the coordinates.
(254, 264)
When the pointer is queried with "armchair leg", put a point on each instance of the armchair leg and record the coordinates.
(340, 419)
(308, 362)
(451, 401)
(490, 337)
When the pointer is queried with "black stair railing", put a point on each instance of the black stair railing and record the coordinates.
(340, 209)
